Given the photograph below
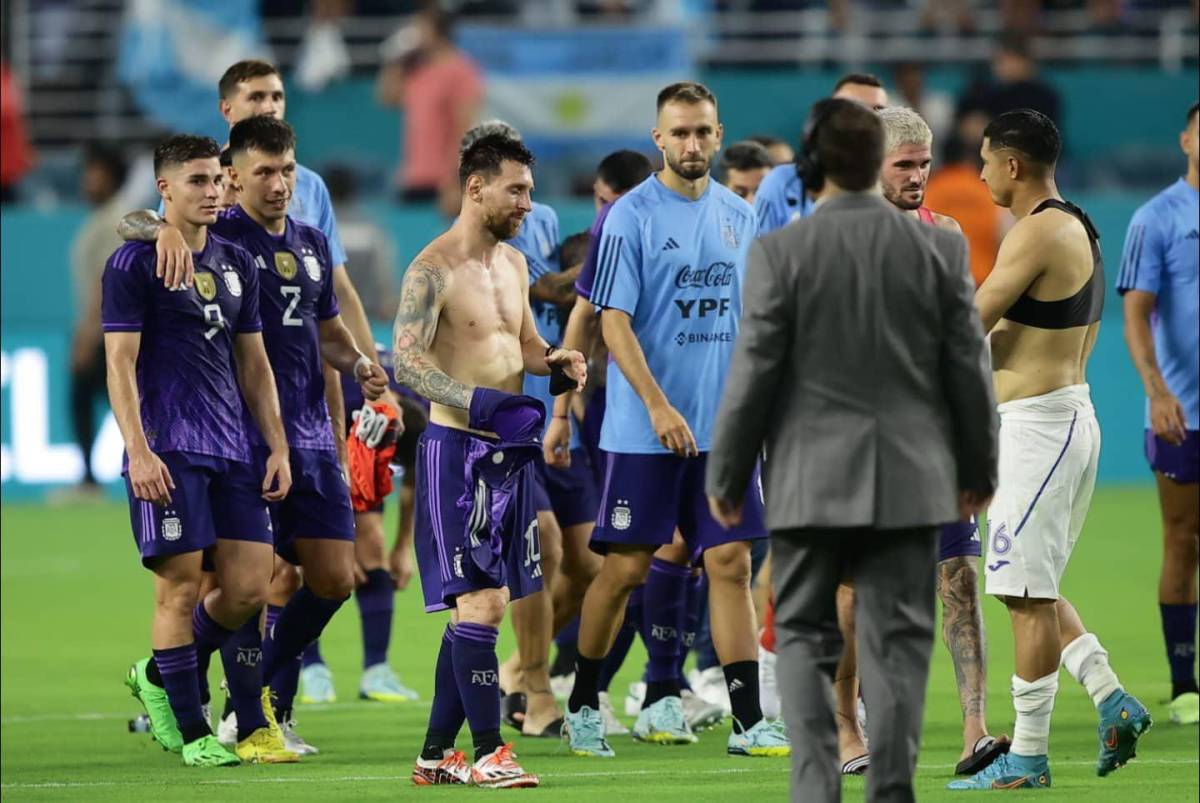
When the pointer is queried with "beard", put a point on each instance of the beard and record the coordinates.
(503, 226)
(688, 170)
(901, 198)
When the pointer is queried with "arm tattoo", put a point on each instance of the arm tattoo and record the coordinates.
(142, 225)
(962, 628)
(415, 328)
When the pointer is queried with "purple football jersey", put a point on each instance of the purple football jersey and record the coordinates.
(187, 378)
(295, 279)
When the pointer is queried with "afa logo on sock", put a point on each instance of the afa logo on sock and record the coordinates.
(484, 677)
(172, 528)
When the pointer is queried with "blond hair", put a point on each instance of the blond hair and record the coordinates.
(903, 126)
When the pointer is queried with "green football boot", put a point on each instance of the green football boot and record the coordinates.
(163, 727)
(208, 752)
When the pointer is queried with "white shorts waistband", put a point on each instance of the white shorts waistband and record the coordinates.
(1063, 404)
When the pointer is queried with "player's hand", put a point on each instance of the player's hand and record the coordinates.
(556, 443)
(278, 479)
(573, 364)
(400, 564)
(673, 431)
(1167, 419)
(373, 378)
(971, 503)
(174, 259)
(150, 478)
(372, 426)
(726, 512)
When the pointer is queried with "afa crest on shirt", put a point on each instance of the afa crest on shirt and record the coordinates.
(312, 267)
(206, 286)
(285, 264)
(232, 281)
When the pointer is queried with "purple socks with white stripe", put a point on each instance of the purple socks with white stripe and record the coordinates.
(693, 607)
(446, 715)
(477, 672)
(209, 635)
(177, 667)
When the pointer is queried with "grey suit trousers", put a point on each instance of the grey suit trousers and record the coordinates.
(894, 574)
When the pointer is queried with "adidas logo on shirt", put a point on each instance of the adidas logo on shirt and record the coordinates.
(670, 244)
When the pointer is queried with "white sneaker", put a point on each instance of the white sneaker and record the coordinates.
(561, 686)
(633, 700)
(612, 725)
(292, 740)
(699, 713)
(709, 686)
(768, 685)
(227, 733)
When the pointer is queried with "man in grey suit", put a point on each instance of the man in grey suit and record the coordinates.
(861, 367)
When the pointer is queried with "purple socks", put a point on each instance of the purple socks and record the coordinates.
(477, 672)
(663, 612)
(241, 656)
(177, 668)
(376, 599)
(446, 715)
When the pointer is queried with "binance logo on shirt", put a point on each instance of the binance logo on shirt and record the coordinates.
(285, 264)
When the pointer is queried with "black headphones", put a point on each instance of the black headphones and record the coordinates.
(808, 163)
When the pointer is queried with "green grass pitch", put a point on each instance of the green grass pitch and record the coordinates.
(76, 612)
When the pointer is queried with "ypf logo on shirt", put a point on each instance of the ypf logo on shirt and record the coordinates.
(622, 516)
(172, 527)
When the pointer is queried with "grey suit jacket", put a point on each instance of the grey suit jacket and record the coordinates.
(862, 368)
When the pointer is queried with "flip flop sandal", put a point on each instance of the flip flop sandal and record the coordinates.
(513, 706)
(858, 765)
(551, 731)
(986, 750)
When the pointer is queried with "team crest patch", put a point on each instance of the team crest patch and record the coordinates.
(729, 234)
(622, 517)
(312, 267)
(285, 264)
(206, 286)
(233, 282)
(172, 527)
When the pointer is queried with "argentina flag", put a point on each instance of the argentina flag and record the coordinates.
(173, 52)
(588, 89)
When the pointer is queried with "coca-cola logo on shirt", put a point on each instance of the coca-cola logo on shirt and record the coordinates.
(718, 274)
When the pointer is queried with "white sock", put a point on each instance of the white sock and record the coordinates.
(1034, 702)
(1087, 662)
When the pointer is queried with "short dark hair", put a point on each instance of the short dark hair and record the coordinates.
(745, 155)
(861, 78)
(1192, 112)
(183, 148)
(1029, 132)
(624, 170)
(261, 133)
(849, 144)
(441, 20)
(574, 249)
(487, 154)
(241, 72)
(685, 92)
(109, 157)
